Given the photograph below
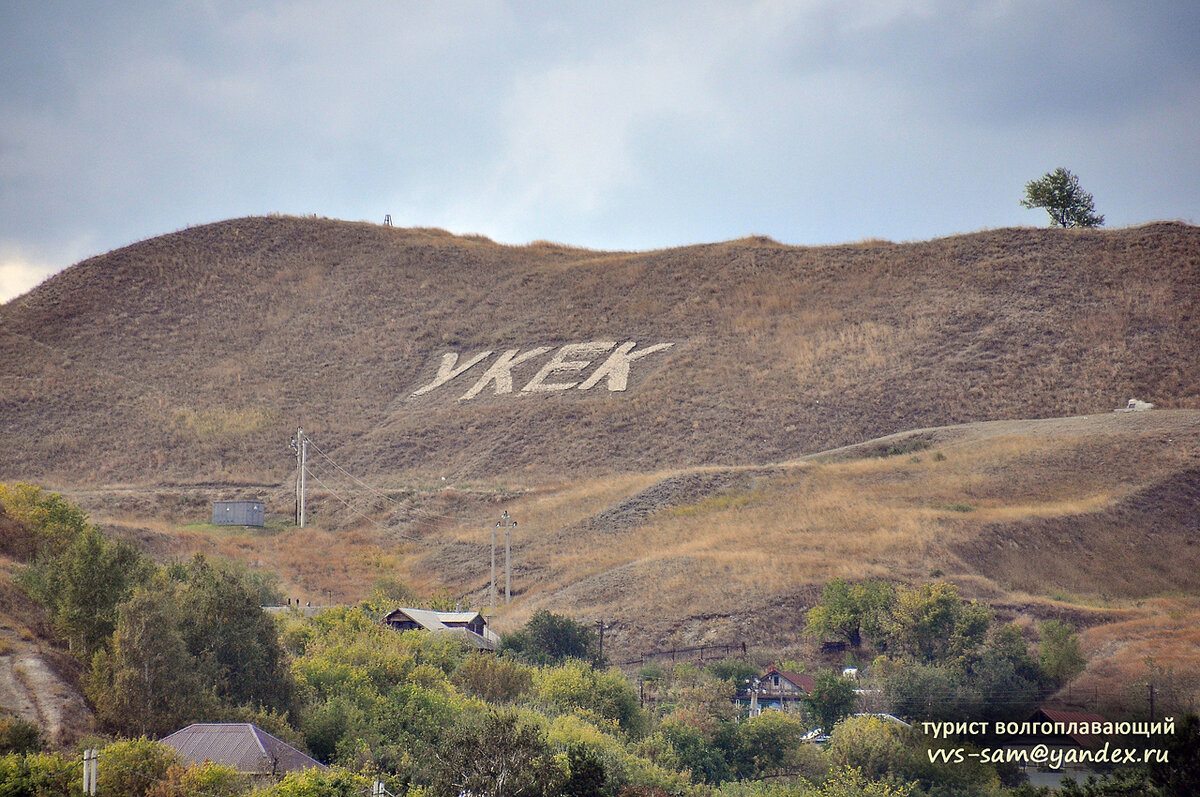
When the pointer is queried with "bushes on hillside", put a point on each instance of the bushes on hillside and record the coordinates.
(549, 638)
(942, 656)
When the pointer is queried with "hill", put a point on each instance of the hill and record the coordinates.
(1090, 519)
(693, 440)
(191, 358)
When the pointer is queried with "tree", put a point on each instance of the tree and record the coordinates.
(576, 686)
(1003, 676)
(18, 735)
(39, 774)
(1059, 654)
(549, 638)
(234, 642)
(147, 683)
(494, 679)
(831, 699)
(133, 767)
(1068, 204)
(847, 611)
(496, 754)
(765, 743)
(932, 624)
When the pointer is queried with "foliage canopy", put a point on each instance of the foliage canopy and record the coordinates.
(1067, 203)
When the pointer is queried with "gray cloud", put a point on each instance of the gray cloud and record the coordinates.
(620, 125)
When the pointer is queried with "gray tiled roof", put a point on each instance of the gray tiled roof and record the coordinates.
(241, 745)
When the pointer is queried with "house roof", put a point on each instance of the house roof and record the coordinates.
(802, 681)
(241, 745)
(1068, 717)
(450, 623)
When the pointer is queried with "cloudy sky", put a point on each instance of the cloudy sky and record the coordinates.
(620, 125)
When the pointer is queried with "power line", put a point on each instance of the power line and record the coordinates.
(364, 516)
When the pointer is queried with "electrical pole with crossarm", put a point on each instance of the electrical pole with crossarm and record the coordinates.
(508, 526)
(299, 444)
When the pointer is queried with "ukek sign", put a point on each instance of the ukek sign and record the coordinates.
(559, 373)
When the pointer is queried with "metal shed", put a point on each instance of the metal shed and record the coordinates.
(239, 513)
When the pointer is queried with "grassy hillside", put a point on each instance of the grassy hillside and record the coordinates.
(190, 358)
(1089, 519)
(937, 410)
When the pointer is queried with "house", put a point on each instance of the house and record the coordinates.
(1066, 739)
(243, 746)
(471, 627)
(777, 689)
(1071, 721)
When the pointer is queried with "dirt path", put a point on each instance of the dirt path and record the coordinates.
(32, 691)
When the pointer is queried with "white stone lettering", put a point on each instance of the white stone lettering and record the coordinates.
(560, 364)
(447, 371)
(501, 372)
(616, 367)
(568, 362)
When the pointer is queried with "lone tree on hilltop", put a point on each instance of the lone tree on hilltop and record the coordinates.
(1068, 204)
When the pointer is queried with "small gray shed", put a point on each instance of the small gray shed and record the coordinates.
(239, 513)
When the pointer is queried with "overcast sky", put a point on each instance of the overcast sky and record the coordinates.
(633, 125)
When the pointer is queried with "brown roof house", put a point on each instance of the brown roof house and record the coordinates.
(243, 746)
(470, 627)
(1068, 741)
(777, 689)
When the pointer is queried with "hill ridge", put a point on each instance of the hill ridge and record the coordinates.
(194, 355)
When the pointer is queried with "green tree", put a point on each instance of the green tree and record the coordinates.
(1003, 677)
(147, 683)
(132, 768)
(92, 577)
(54, 521)
(695, 753)
(333, 782)
(496, 754)
(1062, 197)
(492, 678)
(200, 780)
(736, 671)
(19, 735)
(831, 699)
(923, 691)
(765, 743)
(577, 686)
(79, 575)
(1059, 654)
(585, 773)
(931, 623)
(39, 775)
(234, 642)
(549, 638)
(847, 611)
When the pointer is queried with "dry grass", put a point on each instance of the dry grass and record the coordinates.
(1158, 646)
(190, 357)
(187, 361)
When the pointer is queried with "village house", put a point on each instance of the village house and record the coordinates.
(471, 627)
(244, 746)
(1069, 749)
(776, 689)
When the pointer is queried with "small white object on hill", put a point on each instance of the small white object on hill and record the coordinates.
(1135, 405)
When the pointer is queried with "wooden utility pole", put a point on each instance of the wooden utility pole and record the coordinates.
(299, 444)
(508, 527)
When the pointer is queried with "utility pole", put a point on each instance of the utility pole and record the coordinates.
(508, 527)
(299, 444)
(600, 628)
(91, 765)
(494, 568)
